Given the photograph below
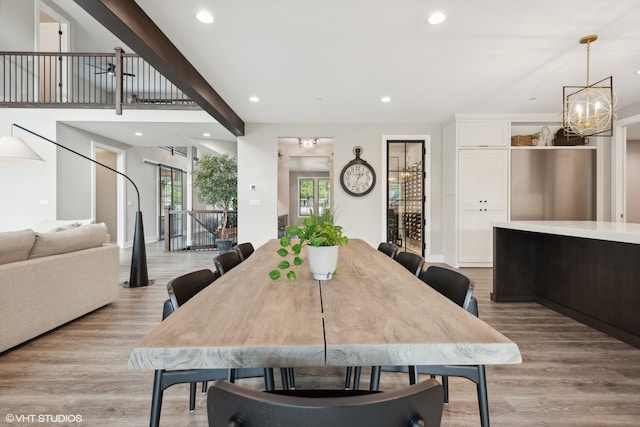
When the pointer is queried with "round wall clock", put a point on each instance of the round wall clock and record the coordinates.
(358, 177)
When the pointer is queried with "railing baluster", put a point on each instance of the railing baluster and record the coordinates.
(61, 78)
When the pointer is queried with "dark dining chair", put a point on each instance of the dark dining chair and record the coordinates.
(410, 261)
(475, 373)
(226, 261)
(388, 248)
(181, 289)
(458, 288)
(419, 405)
(244, 250)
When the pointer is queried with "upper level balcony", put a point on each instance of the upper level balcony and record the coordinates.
(86, 80)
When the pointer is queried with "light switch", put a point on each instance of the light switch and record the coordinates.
(252, 187)
(254, 202)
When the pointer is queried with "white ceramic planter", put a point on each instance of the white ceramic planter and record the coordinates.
(323, 261)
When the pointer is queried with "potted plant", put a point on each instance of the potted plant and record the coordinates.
(216, 178)
(321, 236)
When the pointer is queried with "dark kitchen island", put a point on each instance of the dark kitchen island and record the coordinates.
(587, 270)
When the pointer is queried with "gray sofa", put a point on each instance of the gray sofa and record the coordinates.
(48, 279)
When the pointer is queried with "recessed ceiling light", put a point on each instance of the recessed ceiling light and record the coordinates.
(385, 99)
(254, 99)
(204, 17)
(138, 133)
(436, 18)
(206, 134)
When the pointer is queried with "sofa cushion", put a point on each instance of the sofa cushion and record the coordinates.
(16, 245)
(60, 225)
(75, 239)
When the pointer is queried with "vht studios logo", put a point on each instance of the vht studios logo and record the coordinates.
(43, 418)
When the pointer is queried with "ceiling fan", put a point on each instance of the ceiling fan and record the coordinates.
(110, 70)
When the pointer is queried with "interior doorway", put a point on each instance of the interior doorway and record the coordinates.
(625, 165)
(53, 36)
(305, 178)
(632, 174)
(406, 198)
(109, 194)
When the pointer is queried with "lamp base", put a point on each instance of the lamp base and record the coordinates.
(138, 276)
(127, 284)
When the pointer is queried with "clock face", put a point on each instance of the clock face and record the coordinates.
(357, 178)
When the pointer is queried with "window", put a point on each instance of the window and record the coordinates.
(312, 193)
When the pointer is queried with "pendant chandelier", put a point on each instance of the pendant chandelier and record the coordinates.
(591, 109)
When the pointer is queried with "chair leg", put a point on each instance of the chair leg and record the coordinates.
(192, 397)
(413, 375)
(356, 377)
(268, 379)
(374, 385)
(483, 398)
(156, 399)
(445, 388)
(231, 376)
(292, 379)
(205, 385)
(284, 375)
(347, 379)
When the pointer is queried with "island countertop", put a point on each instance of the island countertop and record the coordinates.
(598, 230)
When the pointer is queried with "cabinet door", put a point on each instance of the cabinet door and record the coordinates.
(482, 200)
(483, 177)
(484, 133)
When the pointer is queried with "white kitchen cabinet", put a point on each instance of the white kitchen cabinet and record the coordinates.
(484, 133)
(475, 187)
(482, 199)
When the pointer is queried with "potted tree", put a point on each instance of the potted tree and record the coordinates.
(216, 178)
(321, 236)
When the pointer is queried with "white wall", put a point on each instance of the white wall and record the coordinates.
(61, 185)
(361, 217)
(17, 25)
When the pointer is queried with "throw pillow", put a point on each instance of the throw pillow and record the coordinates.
(75, 239)
(15, 245)
(55, 225)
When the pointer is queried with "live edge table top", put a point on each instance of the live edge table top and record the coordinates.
(373, 312)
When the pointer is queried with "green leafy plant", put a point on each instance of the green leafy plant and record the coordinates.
(216, 178)
(315, 230)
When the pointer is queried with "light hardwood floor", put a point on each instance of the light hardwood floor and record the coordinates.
(571, 375)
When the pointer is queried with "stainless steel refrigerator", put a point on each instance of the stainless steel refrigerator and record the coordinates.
(553, 184)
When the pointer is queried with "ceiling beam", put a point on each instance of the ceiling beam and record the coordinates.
(127, 21)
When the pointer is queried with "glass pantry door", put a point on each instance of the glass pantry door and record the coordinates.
(406, 197)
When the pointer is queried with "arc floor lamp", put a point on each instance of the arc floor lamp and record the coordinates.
(12, 148)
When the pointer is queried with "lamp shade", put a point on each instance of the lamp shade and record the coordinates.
(15, 149)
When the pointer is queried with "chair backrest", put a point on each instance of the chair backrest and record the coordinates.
(410, 261)
(388, 248)
(182, 288)
(244, 250)
(413, 406)
(450, 283)
(226, 261)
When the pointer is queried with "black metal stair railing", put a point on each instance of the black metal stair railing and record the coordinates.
(196, 230)
(85, 80)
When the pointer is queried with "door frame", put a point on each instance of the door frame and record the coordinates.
(426, 209)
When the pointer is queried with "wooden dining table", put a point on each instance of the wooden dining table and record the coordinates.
(372, 312)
